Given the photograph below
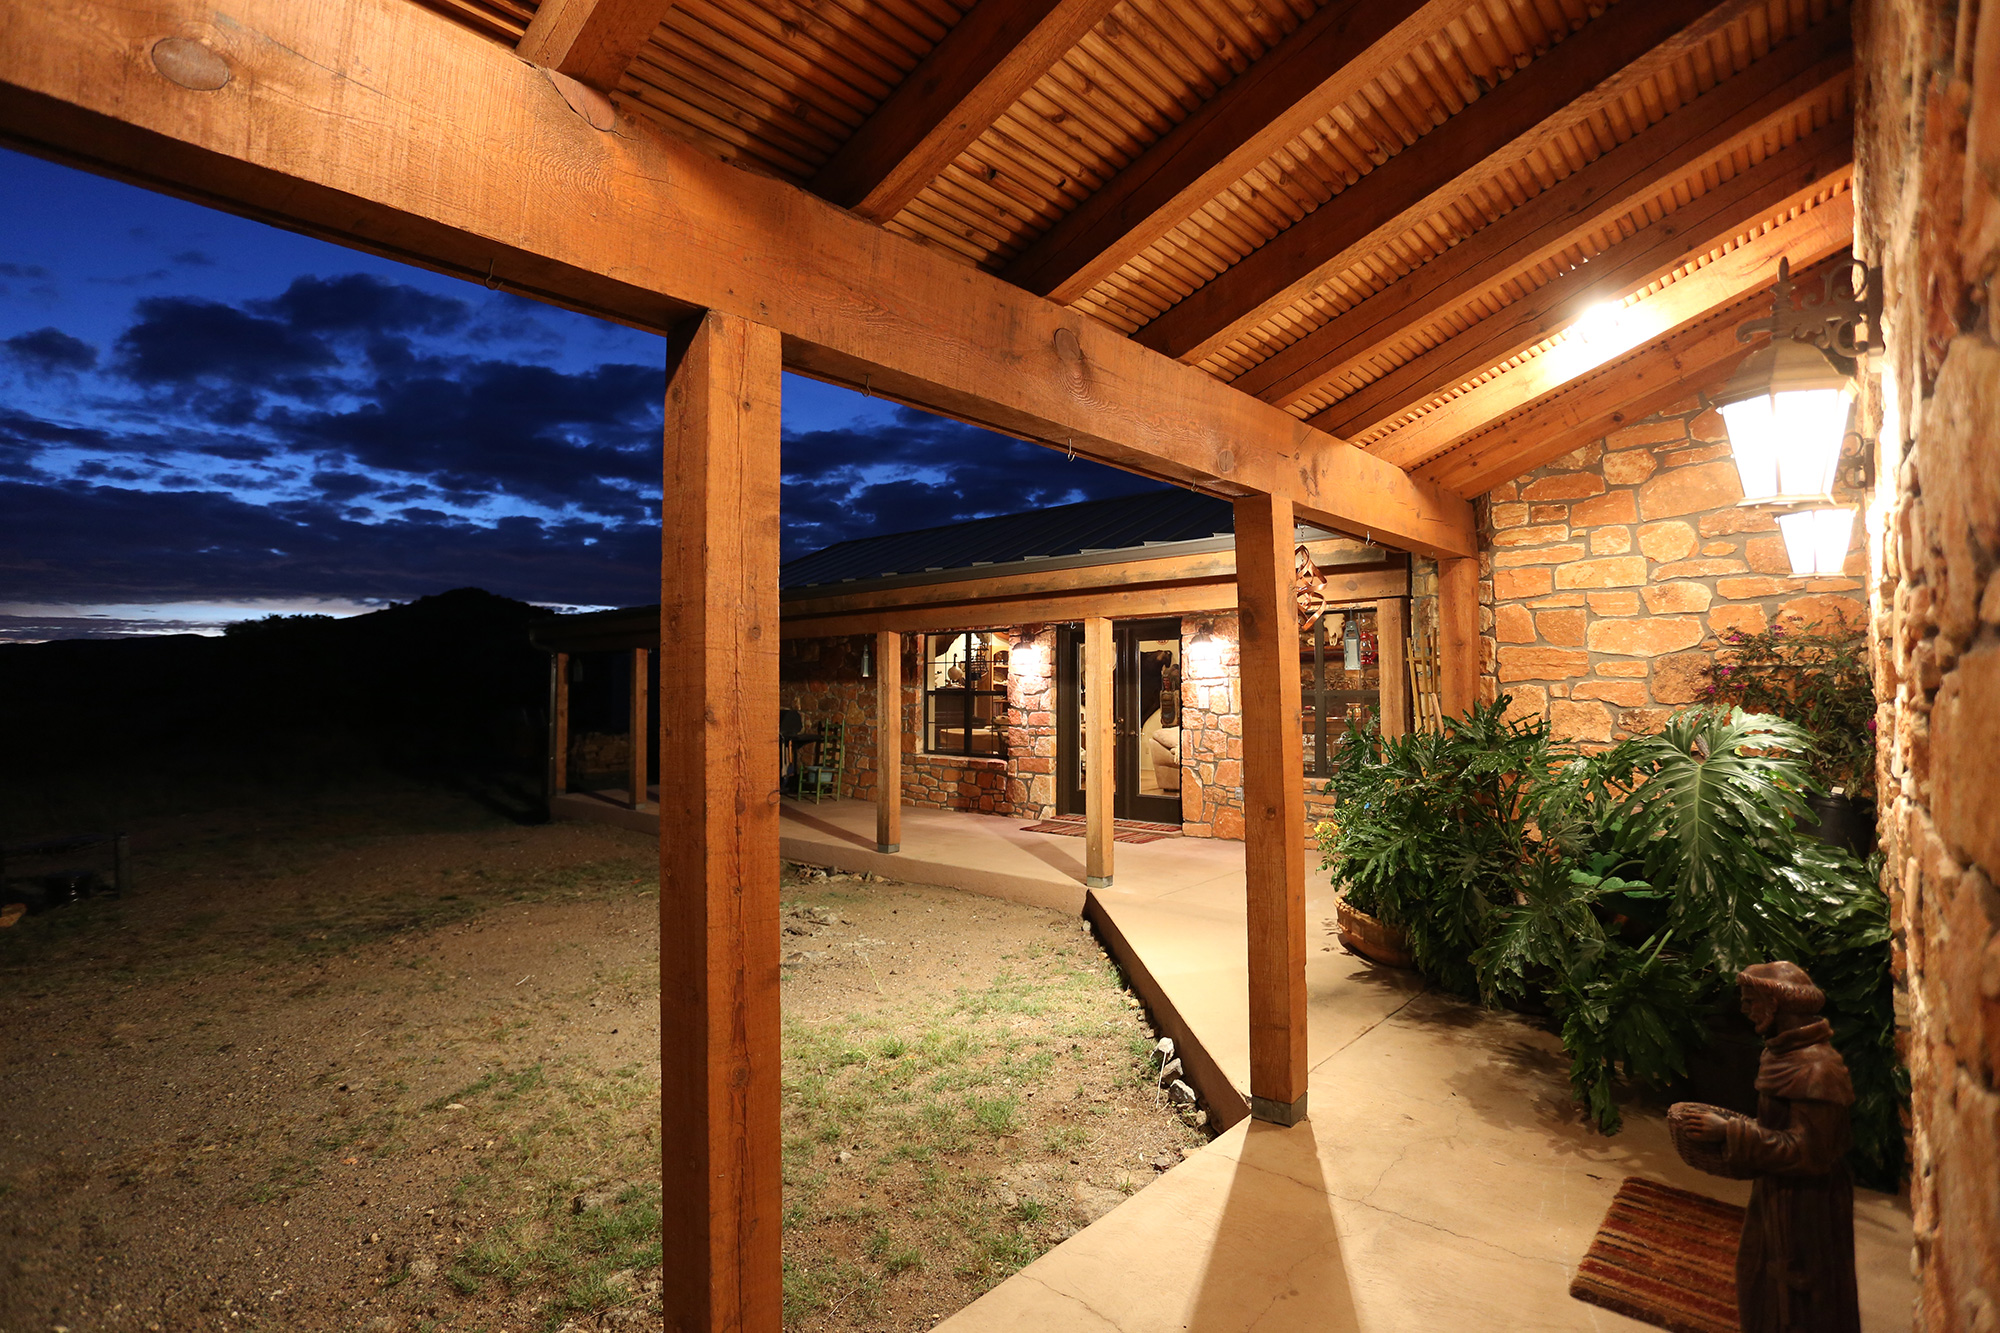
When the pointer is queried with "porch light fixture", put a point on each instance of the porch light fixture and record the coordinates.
(1786, 408)
(1204, 651)
(867, 658)
(1024, 658)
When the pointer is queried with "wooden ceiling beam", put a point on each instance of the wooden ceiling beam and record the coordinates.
(1585, 71)
(251, 106)
(985, 63)
(1662, 372)
(592, 41)
(1623, 181)
(1326, 60)
(1773, 188)
(1748, 268)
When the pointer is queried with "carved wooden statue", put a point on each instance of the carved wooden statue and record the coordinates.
(1795, 1263)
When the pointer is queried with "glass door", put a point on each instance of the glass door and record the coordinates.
(1145, 720)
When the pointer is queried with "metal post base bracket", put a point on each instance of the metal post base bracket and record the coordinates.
(1278, 1113)
(1097, 881)
(888, 847)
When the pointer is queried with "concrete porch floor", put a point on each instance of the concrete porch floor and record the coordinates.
(1444, 1180)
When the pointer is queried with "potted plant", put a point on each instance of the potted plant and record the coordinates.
(1818, 679)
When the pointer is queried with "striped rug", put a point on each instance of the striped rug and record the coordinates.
(1666, 1257)
(1122, 830)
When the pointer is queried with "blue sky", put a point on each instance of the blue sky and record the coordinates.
(204, 419)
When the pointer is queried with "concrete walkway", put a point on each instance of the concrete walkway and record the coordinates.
(1444, 1181)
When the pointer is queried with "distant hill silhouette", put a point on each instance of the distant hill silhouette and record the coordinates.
(445, 683)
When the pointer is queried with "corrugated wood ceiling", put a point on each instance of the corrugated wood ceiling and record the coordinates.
(780, 85)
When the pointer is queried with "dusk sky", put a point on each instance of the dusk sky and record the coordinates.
(205, 419)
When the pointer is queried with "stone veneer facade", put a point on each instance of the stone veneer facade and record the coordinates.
(1612, 576)
(1927, 187)
(822, 679)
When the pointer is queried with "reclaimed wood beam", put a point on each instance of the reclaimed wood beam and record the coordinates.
(1624, 181)
(591, 41)
(1459, 649)
(1585, 71)
(1326, 60)
(721, 1158)
(1750, 267)
(1274, 808)
(250, 106)
(1661, 372)
(1774, 188)
(1133, 603)
(1100, 785)
(888, 741)
(984, 64)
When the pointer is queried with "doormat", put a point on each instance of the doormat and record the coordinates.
(1666, 1257)
(1123, 830)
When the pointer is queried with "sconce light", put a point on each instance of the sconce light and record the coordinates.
(867, 658)
(1024, 658)
(1204, 651)
(1786, 408)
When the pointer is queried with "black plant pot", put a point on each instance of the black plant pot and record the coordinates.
(1843, 822)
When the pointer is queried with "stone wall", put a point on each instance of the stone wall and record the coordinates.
(1927, 185)
(822, 679)
(1615, 573)
(1211, 730)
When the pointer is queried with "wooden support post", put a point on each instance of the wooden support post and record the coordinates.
(558, 728)
(1100, 783)
(719, 1061)
(1274, 807)
(637, 765)
(1391, 649)
(888, 741)
(1458, 636)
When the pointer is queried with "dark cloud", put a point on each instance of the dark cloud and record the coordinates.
(35, 271)
(193, 259)
(182, 340)
(82, 543)
(830, 496)
(361, 303)
(50, 351)
(343, 485)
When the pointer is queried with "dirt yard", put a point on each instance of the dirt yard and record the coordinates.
(382, 1062)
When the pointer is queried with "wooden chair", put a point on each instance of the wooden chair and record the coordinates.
(829, 761)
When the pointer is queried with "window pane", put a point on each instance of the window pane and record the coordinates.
(1160, 717)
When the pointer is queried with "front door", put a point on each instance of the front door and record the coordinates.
(1145, 720)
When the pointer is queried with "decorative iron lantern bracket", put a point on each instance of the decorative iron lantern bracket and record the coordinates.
(1832, 319)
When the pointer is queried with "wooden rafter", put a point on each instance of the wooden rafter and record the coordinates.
(982, 67)
(505, 180)
(1643, 381)
(1587, 70)
(592, 41)
(1771, 189)
(1624, 181)
(1747, 268)
(1325, 61)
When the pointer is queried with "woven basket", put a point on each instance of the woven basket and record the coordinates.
(1709, 1157)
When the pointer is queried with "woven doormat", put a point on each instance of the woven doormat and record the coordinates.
(1666, 1257)
(1123, 830)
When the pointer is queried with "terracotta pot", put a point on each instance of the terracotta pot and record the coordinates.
(1370, 938)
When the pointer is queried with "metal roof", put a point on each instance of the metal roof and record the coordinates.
(1119, 523)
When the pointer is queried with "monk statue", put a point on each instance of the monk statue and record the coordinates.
(1795, 1263)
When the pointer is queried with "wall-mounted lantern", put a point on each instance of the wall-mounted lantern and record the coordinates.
(867, 658)
(1787, 405)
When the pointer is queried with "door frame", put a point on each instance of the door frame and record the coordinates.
(1126, 717)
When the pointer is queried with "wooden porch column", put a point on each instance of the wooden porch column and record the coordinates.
(558, 781)
(636, 765)
(1099, 783)
(1274, 807)
(888, 741)
(1458, 636)
(719, 820)
(1392, 662)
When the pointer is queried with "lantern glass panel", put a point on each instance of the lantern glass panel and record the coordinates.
(1816, 540)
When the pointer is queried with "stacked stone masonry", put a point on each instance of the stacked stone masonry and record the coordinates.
(1613, 576)
(1927, 186)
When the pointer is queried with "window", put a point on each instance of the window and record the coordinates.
(1340, 675)
(965, 694)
